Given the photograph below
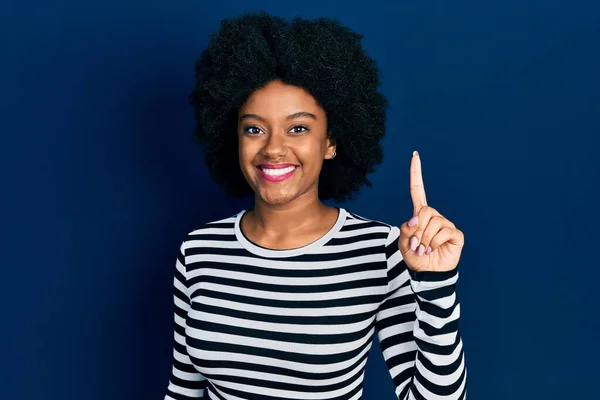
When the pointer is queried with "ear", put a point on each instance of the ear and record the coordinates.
(331, 146)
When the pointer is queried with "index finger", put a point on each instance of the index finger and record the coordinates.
(417, 189)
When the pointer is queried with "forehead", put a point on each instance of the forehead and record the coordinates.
(278, 98)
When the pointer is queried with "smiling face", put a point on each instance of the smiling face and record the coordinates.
(283, 141)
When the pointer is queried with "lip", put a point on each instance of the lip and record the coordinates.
(275, 166)
(280, 178)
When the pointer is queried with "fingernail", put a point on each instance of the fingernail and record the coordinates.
(421, 250)
(429, 250)
(413, 221)
(414, 242)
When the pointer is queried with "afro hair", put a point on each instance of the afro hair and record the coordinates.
(323, 57)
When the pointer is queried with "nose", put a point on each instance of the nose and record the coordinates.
(275, 146)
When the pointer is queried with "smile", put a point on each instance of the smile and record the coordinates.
(276, 173)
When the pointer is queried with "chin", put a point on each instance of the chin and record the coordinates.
(270, 197)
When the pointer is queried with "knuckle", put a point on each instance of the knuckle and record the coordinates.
(424, 212)
(432, 231)
(443, 235)
(433, 211)
(426, 239)
(418, 232)
(438, 219)
(438, 239)
(404, 228)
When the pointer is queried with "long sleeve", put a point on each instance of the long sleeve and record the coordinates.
(186, 382)
(417, 326)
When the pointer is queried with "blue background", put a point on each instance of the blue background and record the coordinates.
(101, 181)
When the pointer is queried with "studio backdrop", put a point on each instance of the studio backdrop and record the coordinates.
(101, 181)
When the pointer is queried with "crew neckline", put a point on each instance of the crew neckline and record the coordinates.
(280, 253)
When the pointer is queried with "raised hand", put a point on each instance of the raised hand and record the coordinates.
(428, 241)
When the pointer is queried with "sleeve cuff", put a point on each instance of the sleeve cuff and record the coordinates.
(433, 284)
(432, 276)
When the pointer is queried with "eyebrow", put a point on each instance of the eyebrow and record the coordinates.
(291, 116)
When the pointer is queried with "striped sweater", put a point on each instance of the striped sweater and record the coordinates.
(257, 323)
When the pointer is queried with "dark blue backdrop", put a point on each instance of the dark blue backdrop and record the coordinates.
(101, 181)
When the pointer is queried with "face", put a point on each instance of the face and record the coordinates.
(283, 142)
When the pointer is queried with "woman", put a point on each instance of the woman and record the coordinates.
(282, 301)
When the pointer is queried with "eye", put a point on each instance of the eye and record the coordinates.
(299, 129)
(252, 130)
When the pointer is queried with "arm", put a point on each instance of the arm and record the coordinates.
(186, 382)
(417, 326)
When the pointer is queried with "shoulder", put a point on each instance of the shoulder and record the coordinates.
(361, 219)
(215, 230)
(383, 230)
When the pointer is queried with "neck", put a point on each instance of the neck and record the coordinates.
(281, 219)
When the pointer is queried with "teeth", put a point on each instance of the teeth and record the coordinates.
(278, 171)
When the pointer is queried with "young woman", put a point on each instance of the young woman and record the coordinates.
(283, 301)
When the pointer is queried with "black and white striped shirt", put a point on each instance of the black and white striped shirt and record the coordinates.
(257, 323)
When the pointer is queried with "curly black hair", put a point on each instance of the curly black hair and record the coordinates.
(323, 57)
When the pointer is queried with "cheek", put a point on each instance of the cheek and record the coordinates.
(244, 150)
(312, 152)
(247, 151)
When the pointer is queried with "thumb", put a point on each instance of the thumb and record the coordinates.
(406, 231)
